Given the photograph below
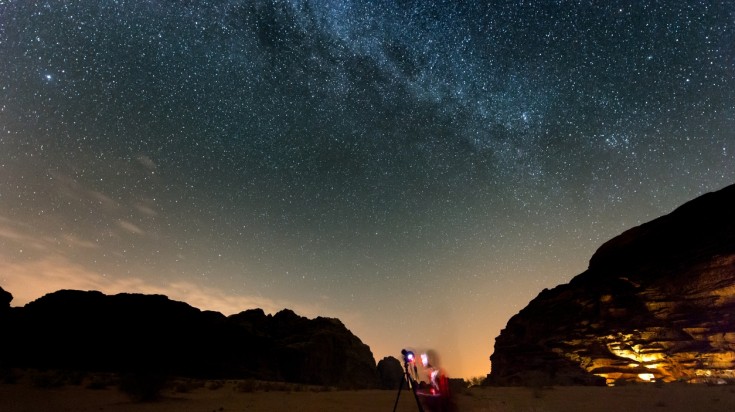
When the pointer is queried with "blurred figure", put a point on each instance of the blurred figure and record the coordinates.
(437, 396)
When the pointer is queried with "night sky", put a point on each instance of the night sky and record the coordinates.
(420, 170)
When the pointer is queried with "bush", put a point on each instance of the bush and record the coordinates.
(47, 379)
(142, 386)
(274, 386)
(475, 381)
(214, 385)
(245, 386)
(98, 382)
(9, 376)
(73, 377)
(188, 385)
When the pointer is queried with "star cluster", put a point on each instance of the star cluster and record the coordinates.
(400, 165)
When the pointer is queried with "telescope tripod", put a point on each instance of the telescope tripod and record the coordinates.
(411, 385)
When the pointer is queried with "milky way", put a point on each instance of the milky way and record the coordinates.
(420, 170)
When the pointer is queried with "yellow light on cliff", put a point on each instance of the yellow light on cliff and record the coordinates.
(633, 352)
(646, 377)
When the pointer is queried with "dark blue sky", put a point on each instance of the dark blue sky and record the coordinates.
(420, 170)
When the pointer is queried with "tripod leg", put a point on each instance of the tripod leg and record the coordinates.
(411, 386)
(400, 388)
(416, 396)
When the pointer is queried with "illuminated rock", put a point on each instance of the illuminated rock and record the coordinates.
(657, 303)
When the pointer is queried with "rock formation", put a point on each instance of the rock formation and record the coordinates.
(656, 303)
(390, 373)
(320, 351)
(130, 332)
(5, 299)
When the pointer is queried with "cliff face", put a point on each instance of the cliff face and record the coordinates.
(131, 332)
(656, 303)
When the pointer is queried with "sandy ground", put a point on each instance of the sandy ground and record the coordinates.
(228, 397)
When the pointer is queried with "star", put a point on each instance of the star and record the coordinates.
(442, 157)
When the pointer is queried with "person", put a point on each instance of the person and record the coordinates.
(437, 397)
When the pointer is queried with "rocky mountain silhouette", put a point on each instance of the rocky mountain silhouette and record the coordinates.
(656, 303)
(390, 372)
(91, 331)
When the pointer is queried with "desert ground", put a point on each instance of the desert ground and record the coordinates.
(29, 395)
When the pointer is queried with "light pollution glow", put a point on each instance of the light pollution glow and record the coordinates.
(419, 170)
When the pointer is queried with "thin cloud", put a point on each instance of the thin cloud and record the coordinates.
(129, 227)
(28, 281)
(147, 162)
(145, 209)
(23, 240)
(73, 241)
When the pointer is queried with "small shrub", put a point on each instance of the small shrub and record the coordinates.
(274, 386)
(537, 392)
(186, 386)
(214, 385)
(142, 386)
(73, 377)
(476, 381)
(9, 376)
(47, 379)
(181, 387)
(246, 386)
(621, 382)
(98, 384)
(536, 381)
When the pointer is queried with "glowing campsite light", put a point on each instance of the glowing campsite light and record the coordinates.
(646, 377)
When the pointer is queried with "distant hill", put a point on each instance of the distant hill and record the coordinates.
(656, 303)
(91, 331)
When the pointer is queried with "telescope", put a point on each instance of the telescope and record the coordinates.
(409, 358)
